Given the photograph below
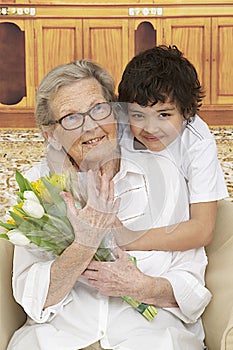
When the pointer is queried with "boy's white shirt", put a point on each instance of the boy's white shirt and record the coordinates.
(195, 154)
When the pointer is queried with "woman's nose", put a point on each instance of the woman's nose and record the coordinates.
(89, 123)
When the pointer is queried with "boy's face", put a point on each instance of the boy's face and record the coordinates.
(156, 126)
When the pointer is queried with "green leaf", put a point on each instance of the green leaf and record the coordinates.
(20, 180)
(21, 223)
(7, 226)
(53, 190)
(18, 219)
(63, 225)
(3, 235)
(24, 184)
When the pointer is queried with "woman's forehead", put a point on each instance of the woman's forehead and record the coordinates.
(80, 95)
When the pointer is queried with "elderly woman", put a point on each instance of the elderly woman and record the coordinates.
(73, 302)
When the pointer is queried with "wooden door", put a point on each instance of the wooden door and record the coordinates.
(106, 42)
(222, 60)
(192, 36)
(151, 34)
(58, 41)
(17, 63)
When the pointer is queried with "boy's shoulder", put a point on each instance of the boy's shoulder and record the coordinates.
(196, 130)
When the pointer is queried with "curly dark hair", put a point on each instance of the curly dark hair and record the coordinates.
(162, 74)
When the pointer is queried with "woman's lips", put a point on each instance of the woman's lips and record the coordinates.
(94, 141)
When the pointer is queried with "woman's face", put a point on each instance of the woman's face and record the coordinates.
(93, 142)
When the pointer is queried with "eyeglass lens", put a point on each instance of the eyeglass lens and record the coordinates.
(98, 112)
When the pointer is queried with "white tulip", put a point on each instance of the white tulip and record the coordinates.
(31, 195)
(17, 237)
(33, 209)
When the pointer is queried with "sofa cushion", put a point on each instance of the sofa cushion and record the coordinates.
(227, 339)
(11, 314)
(218, 314)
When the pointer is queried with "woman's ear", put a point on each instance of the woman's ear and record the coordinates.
(50, 136)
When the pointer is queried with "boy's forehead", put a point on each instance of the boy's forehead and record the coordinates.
(157, 106)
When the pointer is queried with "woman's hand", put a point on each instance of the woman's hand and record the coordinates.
(91, 223)
(118, 278)
(123, 278)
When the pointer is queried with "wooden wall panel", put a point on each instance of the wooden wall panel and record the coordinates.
(58, 42)
(192, 37)
(222, 44)
(106, 42)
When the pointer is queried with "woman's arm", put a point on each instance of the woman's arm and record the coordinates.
(122, 278)
(194, 233)
(65, 271)
(180, 288)
(90, 224)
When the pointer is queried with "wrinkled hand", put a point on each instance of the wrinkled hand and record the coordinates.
(118, 278)
(91, 223)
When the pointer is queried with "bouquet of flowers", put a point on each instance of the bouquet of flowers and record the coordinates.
(39, 219)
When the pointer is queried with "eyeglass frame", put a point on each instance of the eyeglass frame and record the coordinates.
(59, 121)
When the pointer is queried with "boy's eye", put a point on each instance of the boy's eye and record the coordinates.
(164, 115)
(136, 116)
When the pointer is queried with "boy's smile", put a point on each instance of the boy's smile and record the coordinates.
(155, 126)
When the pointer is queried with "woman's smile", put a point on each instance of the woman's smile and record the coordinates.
(94, 141)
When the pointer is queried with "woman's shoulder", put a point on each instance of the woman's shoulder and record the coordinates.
(37, 170)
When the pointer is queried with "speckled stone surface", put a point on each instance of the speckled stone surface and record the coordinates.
(20, 149)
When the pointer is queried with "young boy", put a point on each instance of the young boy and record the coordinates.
(163, 94)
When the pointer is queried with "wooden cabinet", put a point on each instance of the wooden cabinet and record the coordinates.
(26, 27)
(106, 41)
(57, 42)
(111, 35)
(153, 28)
(193, 37)
(207, 42)
(222, 61)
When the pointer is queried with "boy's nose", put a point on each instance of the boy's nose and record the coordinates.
(151, 125)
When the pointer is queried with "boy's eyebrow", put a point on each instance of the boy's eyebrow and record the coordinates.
(164, 109)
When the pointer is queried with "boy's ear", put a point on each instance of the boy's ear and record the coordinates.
(48, 132)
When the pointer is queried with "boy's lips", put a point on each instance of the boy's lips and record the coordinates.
(152, 138)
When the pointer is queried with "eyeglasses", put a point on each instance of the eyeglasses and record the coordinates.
(74, 121)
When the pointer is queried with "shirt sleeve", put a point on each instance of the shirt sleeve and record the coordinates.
(31, 278)
(205, 176)
(186, 276)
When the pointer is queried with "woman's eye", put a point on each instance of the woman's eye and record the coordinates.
(98, 108)
(71, 117)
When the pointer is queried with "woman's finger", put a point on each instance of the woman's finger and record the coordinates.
(111, 191)
(91, 189)
(71, 208)
(104, 188)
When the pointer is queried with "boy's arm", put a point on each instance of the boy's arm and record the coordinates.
(194, 233)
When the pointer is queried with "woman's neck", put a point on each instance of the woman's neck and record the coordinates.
(110, 166)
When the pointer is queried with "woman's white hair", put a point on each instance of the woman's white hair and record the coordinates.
(67, 74)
